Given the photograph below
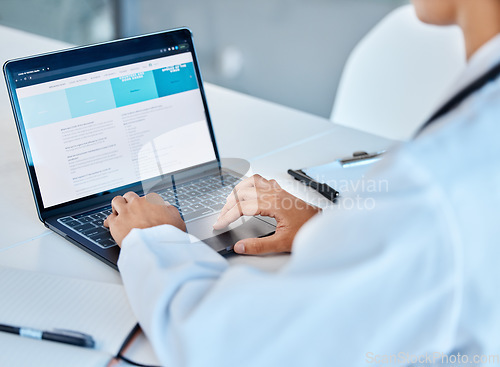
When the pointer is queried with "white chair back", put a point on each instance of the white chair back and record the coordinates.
(398, 75)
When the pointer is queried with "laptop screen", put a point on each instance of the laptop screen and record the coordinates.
(103, 125)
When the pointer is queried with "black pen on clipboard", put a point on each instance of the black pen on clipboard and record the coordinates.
(325, 190)
(357, 158)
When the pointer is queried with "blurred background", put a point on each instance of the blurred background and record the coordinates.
(287, 51)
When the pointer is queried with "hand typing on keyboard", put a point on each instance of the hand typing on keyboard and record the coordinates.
(131, 211)
(258, 196)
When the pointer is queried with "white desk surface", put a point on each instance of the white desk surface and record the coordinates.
(272, 137)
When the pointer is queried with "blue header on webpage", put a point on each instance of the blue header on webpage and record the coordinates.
(47, 108)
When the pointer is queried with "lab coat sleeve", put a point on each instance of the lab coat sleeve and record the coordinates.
(363, 284)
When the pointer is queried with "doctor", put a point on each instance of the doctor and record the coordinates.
(414, 280)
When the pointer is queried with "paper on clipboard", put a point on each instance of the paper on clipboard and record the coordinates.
(343, 179)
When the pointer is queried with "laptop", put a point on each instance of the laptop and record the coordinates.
(127, 115)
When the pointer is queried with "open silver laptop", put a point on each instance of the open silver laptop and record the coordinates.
(128, 115)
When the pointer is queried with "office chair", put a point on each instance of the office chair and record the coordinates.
(398, 75)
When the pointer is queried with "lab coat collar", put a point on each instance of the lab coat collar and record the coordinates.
(481, 62)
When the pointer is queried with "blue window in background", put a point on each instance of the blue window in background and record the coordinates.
(134, 88)
(90, 98)
(175, 79)
(44, 109)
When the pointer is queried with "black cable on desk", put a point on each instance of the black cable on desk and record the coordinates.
(124, 346)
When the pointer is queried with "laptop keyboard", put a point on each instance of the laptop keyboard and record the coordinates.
(200, 198)
(194, 199)
(90, 225)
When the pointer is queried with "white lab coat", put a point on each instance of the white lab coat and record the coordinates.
(413, 277)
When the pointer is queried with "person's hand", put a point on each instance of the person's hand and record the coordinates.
(258, 196)
(131, 211)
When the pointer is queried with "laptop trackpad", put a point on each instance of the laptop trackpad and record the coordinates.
(225, 239)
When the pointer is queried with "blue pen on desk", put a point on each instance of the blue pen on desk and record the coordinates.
(325, 190)
(61, 336)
